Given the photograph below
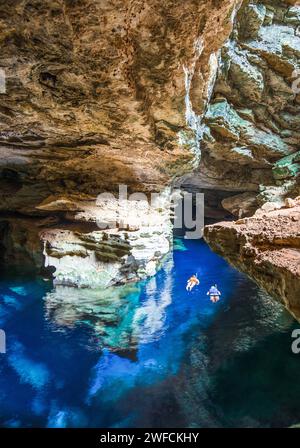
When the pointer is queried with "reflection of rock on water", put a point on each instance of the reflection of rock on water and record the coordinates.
(115, 315)
(150, 318)
(108, 313)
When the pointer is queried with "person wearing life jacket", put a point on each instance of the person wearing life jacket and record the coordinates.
(214, 294)
(192, 281)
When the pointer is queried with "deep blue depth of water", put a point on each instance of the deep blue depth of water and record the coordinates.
(150, 354)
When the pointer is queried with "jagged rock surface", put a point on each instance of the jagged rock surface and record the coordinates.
(96, 92)
(251, 128)
(250, 148)
(266, 247)
(97, 95)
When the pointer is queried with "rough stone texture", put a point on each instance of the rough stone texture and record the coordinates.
(96, 93)
(251, 128)
(92, 244)
(20, 244)
(135, 239)
(266, 247)
(250, 147)
(240, 205)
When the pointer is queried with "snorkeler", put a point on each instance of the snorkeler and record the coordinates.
(192, 281)
(214, 294)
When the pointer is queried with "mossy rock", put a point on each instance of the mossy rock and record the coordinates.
(287, 167)
(106, 257)
(71, 253)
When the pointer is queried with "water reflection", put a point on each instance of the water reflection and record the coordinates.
(150, 318)
(109, 313)
(117, 317)
(148, 354)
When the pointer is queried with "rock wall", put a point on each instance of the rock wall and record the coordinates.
(250, 148)
(135, 238)
(251, 127)
(96, 245)
(266, 247)
(98, 94)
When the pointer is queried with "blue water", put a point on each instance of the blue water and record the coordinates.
(149, 354)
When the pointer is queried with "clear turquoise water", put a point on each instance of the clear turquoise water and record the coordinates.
(150, 354)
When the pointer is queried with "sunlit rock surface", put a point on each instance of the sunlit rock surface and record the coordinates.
(136, 237)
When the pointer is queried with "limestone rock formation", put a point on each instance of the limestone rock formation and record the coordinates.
(251, 127)
(135, 238)
(240, 205)
(250, 148)
(91, 244)
(98, 94)
(266, 247)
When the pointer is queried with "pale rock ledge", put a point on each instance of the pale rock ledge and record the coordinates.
(132, 239)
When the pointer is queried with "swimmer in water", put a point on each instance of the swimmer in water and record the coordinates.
(214, 294)
(192, 281)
